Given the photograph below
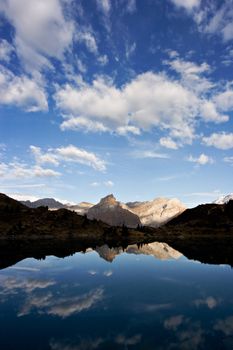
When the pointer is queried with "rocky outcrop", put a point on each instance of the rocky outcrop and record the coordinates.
(156, 212)
(114, 213)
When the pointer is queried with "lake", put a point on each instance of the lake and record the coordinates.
(141, 297)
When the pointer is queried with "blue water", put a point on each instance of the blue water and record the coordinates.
(132, 301)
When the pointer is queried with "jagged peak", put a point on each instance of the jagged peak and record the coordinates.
(108, 199)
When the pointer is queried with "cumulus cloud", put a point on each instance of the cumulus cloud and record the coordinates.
(150, 100)
(21, 91)
(40, 26)
(68, 154)
(203, 159)
(220, 140)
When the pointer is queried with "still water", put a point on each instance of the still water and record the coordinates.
(149, 297)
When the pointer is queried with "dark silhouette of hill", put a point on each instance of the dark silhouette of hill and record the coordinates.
(217, 217)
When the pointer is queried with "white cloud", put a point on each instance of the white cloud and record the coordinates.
(221, 140)
(210, 113)
(168, 143)
(21, 91)
(68, 154)
(214, 19)
(81, 66)
(103, 60)
(203, 159)
(6, 50)
(16, 170)
(79, 155)
(128, 129)
(150, 154)
(39, 25)
(88, 39)
(224, 100)
(130, 49)
(187, 4)
(43, 158)
(150, 100)
(192, 74)
(104, 6)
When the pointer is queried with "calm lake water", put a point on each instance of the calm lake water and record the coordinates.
(147, 298)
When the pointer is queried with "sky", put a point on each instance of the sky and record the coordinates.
(131, 97)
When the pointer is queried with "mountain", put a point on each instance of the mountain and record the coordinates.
(224, 199)
(156, 212)
(114, 213)
(159, 250)
(81, 208)
(211, 218)
(44, 202)
(19, 222)
(53, 204)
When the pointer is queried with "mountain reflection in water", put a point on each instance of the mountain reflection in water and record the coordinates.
(131, 296)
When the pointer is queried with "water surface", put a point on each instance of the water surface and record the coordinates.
(144, 297)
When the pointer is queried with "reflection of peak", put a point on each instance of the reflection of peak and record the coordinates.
(159, 250)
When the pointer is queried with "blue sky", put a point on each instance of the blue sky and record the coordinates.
(127, 97)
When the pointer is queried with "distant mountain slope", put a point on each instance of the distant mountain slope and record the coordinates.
(51, 203)
(81, 208)
(156, 212)
(114, 213)
(205, 216)
(224, 199)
